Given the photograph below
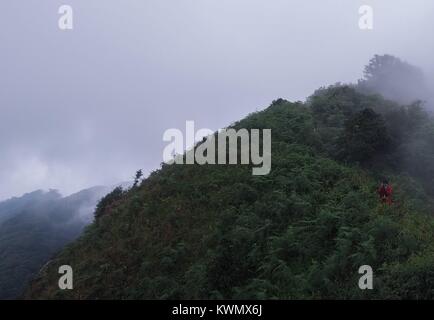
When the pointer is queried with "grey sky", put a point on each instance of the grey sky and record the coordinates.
(89, 106)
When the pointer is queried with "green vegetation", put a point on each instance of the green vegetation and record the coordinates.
(301, 232)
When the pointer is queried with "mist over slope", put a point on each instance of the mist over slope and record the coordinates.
(303, 231)
(396, 80)
(34, 227)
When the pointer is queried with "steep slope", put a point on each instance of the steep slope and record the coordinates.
(35, 227)
(303, 231)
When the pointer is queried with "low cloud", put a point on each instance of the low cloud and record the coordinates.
(89, 106)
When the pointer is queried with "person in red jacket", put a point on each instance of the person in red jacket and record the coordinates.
(385, 192)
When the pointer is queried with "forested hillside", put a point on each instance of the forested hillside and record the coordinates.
(301, 232)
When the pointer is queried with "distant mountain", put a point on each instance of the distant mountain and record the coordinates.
(10, 207)
(34, 227)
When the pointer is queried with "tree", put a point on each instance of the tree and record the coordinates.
(105, 203)
(365, 135)
(394, 79)
(138, 176)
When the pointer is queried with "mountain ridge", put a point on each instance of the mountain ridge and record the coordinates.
(303, 231)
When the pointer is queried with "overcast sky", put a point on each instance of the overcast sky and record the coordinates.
(90, 106)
